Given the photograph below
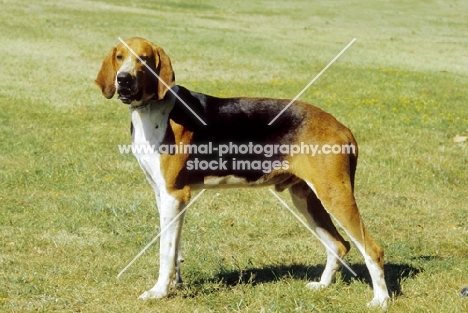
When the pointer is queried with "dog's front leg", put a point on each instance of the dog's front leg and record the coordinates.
(171, 229)
(180, 257)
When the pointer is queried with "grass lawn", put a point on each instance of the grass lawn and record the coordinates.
(74, 211)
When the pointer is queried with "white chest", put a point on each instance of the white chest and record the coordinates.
(149, 128)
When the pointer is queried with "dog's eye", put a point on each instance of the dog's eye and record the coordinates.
(142, 58)
(119, 57)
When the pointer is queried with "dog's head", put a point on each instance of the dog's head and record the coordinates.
(130, 72)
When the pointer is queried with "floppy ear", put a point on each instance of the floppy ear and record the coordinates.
(106, 76)
(164, 71)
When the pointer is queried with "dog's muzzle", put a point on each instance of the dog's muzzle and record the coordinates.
(127, 88)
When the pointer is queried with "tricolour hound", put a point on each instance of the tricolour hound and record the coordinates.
(321, 186)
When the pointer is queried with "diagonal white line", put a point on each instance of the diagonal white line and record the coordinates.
(163, 230)
(313, 233)
(312, 81)
(162, 81)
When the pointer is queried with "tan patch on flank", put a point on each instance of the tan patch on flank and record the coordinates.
(173, 166)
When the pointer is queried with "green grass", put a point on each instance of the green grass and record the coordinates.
(74, 211)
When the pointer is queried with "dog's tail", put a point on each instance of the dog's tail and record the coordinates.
(353, 158)
(352, 168)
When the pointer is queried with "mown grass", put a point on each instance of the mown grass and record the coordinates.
(74, 211)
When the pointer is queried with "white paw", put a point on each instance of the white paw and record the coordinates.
(379, 303)
(153, 294)
(315, 285)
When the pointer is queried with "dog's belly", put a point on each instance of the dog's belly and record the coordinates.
(231, 180)
(281, 181)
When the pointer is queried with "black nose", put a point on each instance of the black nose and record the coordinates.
(124, 79)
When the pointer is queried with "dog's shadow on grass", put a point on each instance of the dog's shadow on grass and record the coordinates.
(394, 274)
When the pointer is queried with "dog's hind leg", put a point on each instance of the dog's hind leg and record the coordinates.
(320, 222)
(339, 201)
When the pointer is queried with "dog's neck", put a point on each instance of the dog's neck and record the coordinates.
(150, 121)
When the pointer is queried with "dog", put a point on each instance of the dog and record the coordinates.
(164, 114)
